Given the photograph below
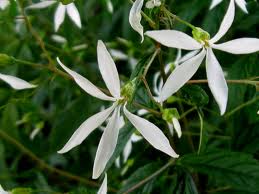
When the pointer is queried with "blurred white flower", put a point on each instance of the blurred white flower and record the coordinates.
(58, 39)
(153, 3)
(109, 138)
(135, 17)
(61, 10)
(4, 4)
(2, 191)
(109, 6)
(15, 82)
(240, 3)
(202, 42)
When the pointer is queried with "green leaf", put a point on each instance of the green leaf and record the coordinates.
(235, 169)
(195, 95)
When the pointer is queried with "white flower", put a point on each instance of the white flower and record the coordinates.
(2, 191)
(240, 3)
(204, 44)
(135, 17)
(59, 17)
(103, 188)
(16, 82)
(4, 4)
(153, 3)
(109, 138)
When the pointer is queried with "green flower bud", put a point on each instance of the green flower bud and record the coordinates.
(128, 90)
(170, 113)
(66, 2)
(6, 60)
(201, 35)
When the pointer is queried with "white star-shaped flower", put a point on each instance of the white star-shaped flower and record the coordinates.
(240, 3)
(203, 43)
(15, 82)
(4, 4)
(61, 10)
(119, 98)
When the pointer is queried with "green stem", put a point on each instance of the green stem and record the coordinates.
(47, 167)
(227, 115)
(144, 181)
(150, 62)
(177, 18)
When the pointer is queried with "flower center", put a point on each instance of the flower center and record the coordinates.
(127, 91)
(201, 36)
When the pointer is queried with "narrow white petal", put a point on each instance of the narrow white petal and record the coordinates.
(41, 5)
(216, 81)
(177, 127)
(174, 39)
(74, 14)
(118, 162)
(181, 75)
(108, 69)
(171, 128)
(126, 151)
(150, 4)
(214, 3)
(86, 128)
(157, 83)
(16, 82)
(85, 84)
(151, 133)
(103, 188)
(135, 17)
(4, 4)
(178, 56)
(188, 56)
(226, 22)
(135, 138)
(59, 16)
(2, 191)
(239, 46)
(242, 5)
(107, 144)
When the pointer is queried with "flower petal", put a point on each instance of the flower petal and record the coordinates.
(135, 17)
(108, 69)
(107, 144)
(2, 191)
(85, 84)
(103, 188)
(214, 3)
(216, 81)
(242, 5)
(188, 56)
(181, 75)
(16, 82)
(86, 128)
(74, 14)
(41, 5)
(4, 4)
(174, 39)
(177, 127)
(226, 22)
(59, 16)
(151, 133)
(239, 46)
(126, 151)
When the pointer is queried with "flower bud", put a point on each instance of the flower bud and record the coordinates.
(6, 60)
